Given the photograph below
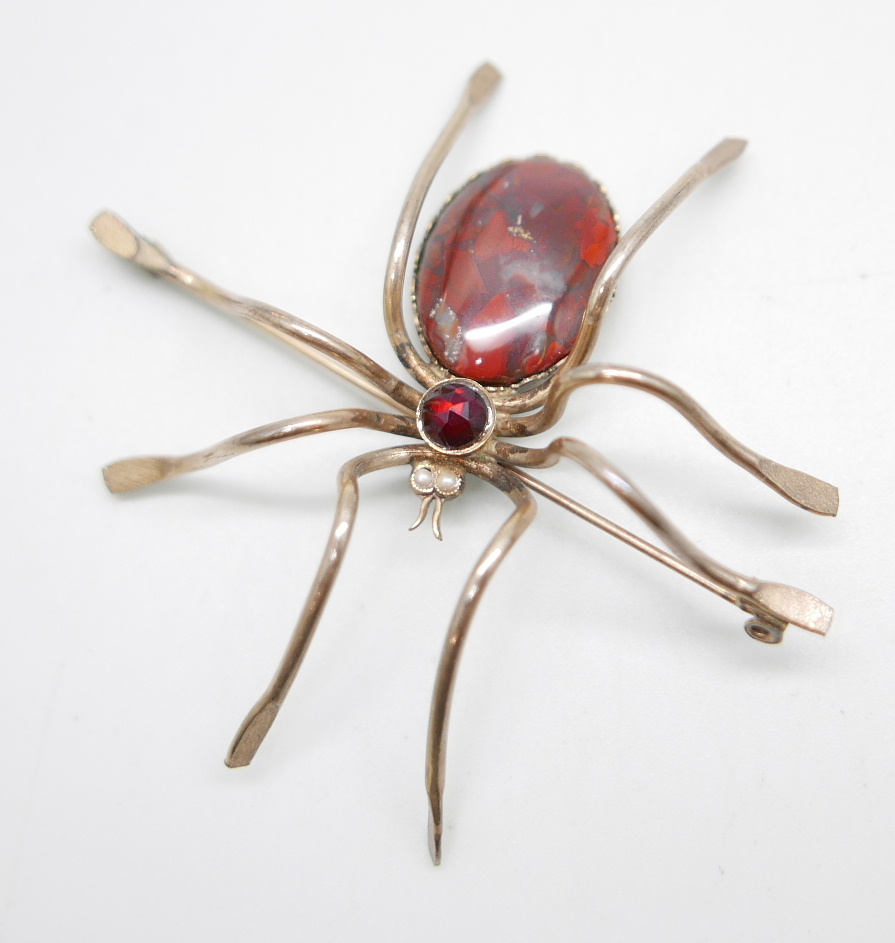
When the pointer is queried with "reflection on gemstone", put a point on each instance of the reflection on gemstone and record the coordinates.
(455, 416)
(506, 270)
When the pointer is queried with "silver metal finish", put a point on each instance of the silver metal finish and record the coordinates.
(773, 601)
(490, 560)
(254, 728)
(716, 159)
(348, 362)
(132, 473)
(603, 291)
(438, 475)
(479, 88)
(802, 489)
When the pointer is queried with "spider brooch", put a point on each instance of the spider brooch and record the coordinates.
(512, 283)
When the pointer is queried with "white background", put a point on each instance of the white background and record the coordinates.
(626, 764)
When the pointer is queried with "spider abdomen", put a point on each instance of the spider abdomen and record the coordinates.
(506, 270)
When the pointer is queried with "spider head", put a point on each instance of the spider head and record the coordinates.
(435, 482)
(456, 416)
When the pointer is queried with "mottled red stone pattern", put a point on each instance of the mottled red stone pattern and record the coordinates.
(506, 271)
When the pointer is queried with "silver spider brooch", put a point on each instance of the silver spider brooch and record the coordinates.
(513, 280)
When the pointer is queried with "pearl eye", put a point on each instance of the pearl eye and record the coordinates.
(447, 481)
(422, 480)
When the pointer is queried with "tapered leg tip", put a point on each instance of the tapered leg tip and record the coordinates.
(802, 489)
(117, 236)
(434, 838)
(114, 234)
(794, 607)
(251, 735)
(724, 153)
(484, 80)
(132, 473)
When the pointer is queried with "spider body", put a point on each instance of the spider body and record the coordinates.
(507, 267)
(514, 279)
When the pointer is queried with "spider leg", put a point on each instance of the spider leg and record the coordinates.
(132, 473)
(478, 90)
(118, 237)
(258, 721)
(497, 549)
(722, 154)
(774, 605)
(424, 510)
(801, 489)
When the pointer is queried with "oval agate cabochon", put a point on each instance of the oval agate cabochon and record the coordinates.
(506, 270)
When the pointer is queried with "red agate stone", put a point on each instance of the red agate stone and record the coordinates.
(455, 416)
(506, 271)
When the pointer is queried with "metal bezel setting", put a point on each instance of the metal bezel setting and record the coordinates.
(476, 388)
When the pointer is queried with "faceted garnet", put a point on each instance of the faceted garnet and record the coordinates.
(506, 270)
(455, 417)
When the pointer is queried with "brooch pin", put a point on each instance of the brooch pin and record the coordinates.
(512, 283)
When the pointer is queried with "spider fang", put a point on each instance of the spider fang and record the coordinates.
(435, 484)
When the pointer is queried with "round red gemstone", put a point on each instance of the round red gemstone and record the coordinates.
(455, 417)
(506, 271)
